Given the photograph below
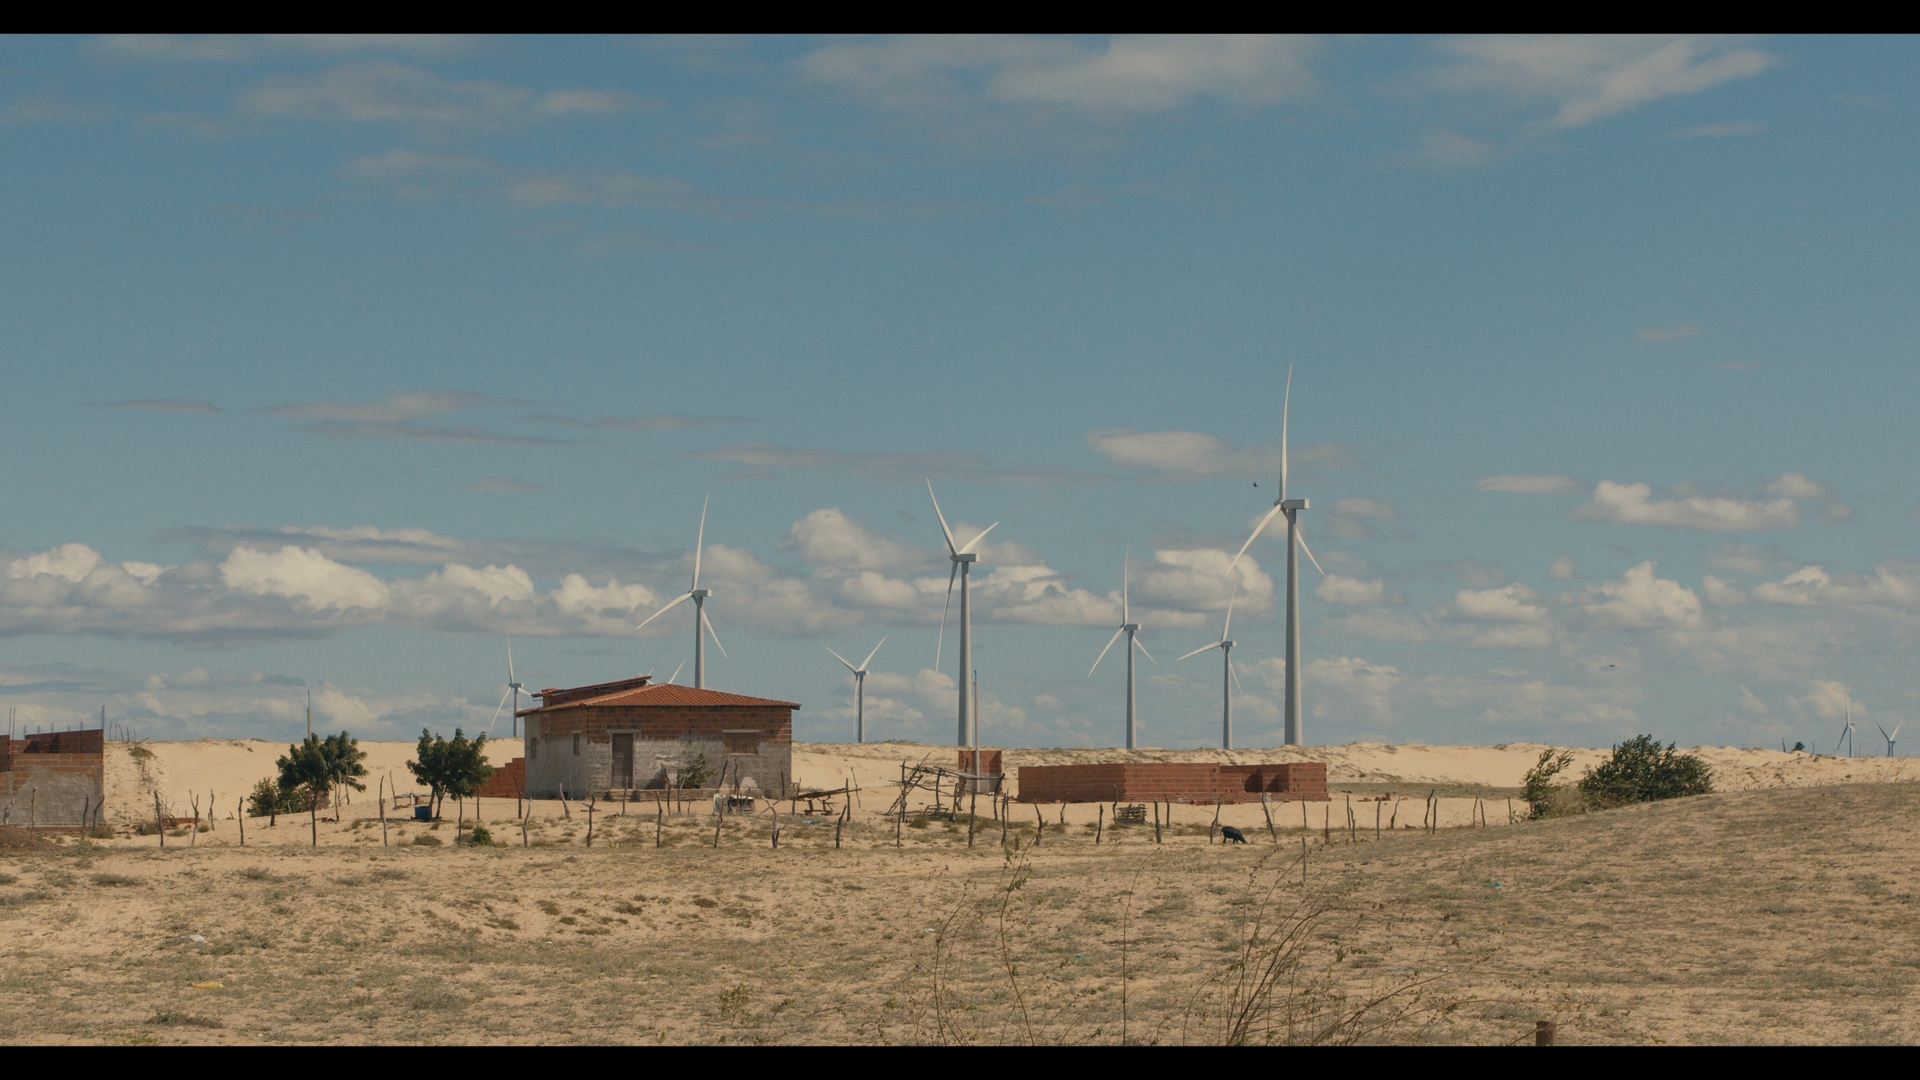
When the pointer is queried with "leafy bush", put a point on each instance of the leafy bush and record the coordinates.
(270, 798)
(1640, 770)
(1539, 787)
(480, 836)
(697, 772)
(456, 766)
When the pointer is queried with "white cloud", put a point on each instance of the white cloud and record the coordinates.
(1634, 504)
(1348, 684)
(1793, 485)
(1530, 485)
(1594, 77)
(1514, 603)
(1829, 700)
(1639, 600)
(1195, 455)
(1561, 569)
(1340, 589)
(388, 92)
(1889, 586)
(303, 574)
(1751, 703)
(232, 48)
(72, 562)
(1127, 75)
(828, 537)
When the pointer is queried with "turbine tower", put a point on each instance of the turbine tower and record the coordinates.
(1846, 732)
(513, 688)
(1890, 736)
(699, 597)
(1292, 508)
(1229, 678)
(859, 692)
(963, 557)
(1129, 628)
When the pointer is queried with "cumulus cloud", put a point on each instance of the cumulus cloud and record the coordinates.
(1196, 455)
(1793, 485)
(1589, 78)
(1829, 700)
(1639, 600)
(1340, 589)
(394, 93)
(1561, 569)
(1530, 485)
(830, 538)
(1634, 504)
(1514, 603)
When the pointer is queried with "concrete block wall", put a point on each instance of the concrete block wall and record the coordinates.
(1173, 782)
(53, 779)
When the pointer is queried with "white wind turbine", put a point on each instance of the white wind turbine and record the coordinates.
(1292, 507)
(513, 689)
(1846, 732)
(859, 692)
(1229, 677)
(699, 597)
(963, 557)
(1890, 736)
(1129, 628)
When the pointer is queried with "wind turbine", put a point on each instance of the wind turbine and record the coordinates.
(1225, 645)
(1890, 736)
(963, 557)
(1846, 732)
(513, 689)
(699, 597)
(1129, 628)
(1292, 507)
(859, 692)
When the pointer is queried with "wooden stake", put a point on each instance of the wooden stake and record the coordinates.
(240, 815)
(158, 821)
(1350, 829)
(1266, 808)
(774, 809)
(846, 811)
(717, 819)
(1303, 861)
(1326, 824)
(902, 819)
(383, 811)
(591, 803)
(1100, 825)
(973, 807)
(1376, 822)
(659, 814)
(1156, 821)
(1039, 825)
(1216, 820)
(193, 835)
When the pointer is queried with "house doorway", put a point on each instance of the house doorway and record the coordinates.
(622, 761)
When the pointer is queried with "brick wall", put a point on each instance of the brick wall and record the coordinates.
(1173, 782)
(54, 778)
(507, 782)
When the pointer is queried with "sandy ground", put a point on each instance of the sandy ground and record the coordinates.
(1471, 783)
(1780, 915)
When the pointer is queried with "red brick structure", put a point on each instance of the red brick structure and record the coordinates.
(52, 779)
(1201, 784)
(508, 781)
(634, 735)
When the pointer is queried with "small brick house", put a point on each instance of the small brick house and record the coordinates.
(54, 778)
(634, 735)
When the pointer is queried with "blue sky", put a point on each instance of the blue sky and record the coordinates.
(331, 362)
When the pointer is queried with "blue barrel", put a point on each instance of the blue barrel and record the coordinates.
(423, 813)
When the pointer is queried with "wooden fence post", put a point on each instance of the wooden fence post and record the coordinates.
(1100, 825)
(1266, 808)
(240, 816)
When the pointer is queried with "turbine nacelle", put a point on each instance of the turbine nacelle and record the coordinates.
(965, 556)
(1291, 504)
(700, 594)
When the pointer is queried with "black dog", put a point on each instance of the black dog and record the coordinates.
(1232, 835)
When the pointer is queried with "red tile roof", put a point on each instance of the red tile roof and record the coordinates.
(658, 694)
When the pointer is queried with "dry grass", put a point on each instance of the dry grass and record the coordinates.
(1764, 916)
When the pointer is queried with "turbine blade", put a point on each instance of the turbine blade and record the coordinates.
(510, 681)
(977, 539)
(1227, 630)
(496, 710)
(1309, 551)
(1200, 650)
(1103, 653)
(710, 633)
(1286, 403)
(1126, 576)
(944, 531)
(676, 672)
(1883, 731)
(1257, 530)
(1138, 645)
(941, 641)
(869, 659)
(1236, 674)
(671, 604)
(843, 660)
(699, 541)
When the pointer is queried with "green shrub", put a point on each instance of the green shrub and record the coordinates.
(480, 836)
(1640, 770)
(270, 798)
(1538, 786)
(697, 772)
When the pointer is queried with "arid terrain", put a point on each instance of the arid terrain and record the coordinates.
(1780, 910)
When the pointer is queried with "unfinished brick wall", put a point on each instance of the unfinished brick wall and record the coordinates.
(1173, 782)
(52, 779)
(507, 782)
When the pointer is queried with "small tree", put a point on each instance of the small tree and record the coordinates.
(305, 766)
(345, 761)
(1538, 786)
(456, 766)
(1641, 770)
(269, 799)
(696, 773)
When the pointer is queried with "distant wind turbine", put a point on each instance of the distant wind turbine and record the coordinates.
(1890, 736)
(1292, 508)
(1131, 629)
(859, 692)
(963, 557)
(1229, 678)
(513, 690)
(1846, 732)
(699, 597)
